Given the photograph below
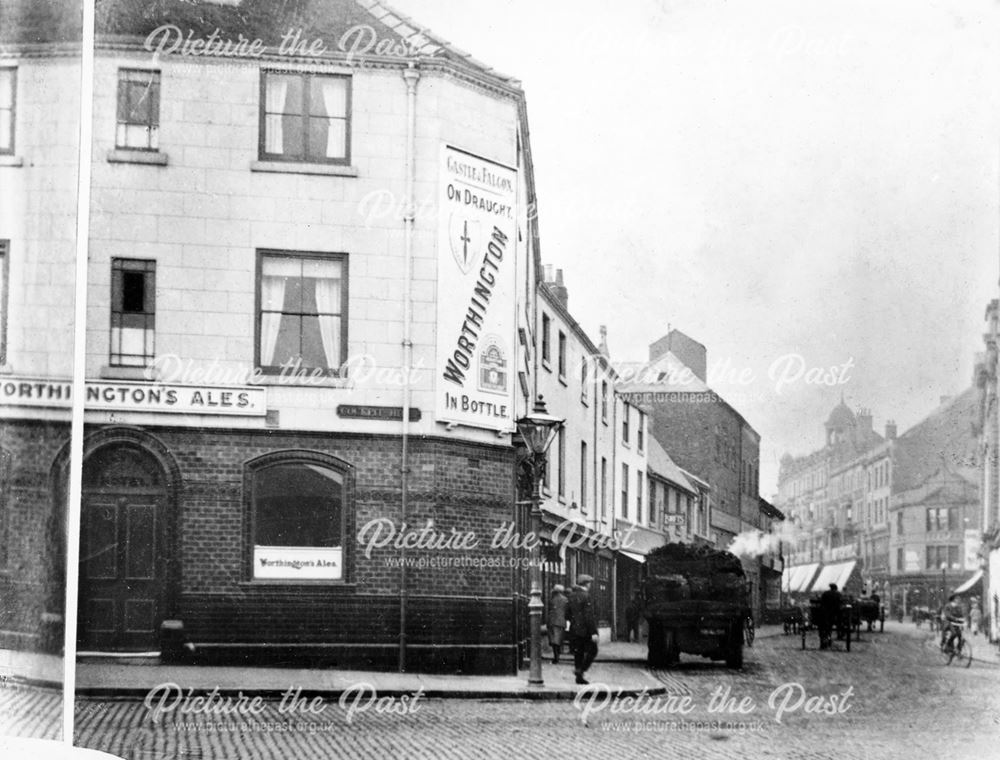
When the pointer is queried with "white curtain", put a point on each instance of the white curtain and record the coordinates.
(335, 102)
(274, 138)
(327, 278)
(6, 107)
(274, 272)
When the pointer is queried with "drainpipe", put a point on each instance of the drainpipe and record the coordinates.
(410, 75)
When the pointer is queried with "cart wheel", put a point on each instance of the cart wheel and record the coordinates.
(671, 649)
(963, 653)
(657, 652)
(748, 631)
(734, 658)
(947, 654)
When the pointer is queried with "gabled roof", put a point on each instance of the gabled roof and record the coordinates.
(665, 374)
(270, 20)
(945, 439)
(660, 463)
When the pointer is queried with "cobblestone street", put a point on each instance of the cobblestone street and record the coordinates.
(897, 699)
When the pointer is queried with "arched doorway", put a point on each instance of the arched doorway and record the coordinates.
(122, 567)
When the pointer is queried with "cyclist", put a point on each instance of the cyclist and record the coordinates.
(955, 620)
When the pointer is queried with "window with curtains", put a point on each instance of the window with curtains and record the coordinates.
(302, 312)
(138, 125)
(305, 117)
(133, 312)
(8, 100)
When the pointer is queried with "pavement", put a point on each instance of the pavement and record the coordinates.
(621, 666)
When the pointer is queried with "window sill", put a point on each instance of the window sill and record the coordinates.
(562, 381)
(346, 585)
(303, 381)
(11, 161)
(126, 156)
(127, 373)
(546, 365)
(294, 167)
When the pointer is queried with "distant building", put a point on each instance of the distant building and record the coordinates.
(705, 436)
(902, 508)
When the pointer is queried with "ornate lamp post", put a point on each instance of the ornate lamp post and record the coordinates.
(537, 429)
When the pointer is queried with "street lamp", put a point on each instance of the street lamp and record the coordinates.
(944, 566)
(537, 429)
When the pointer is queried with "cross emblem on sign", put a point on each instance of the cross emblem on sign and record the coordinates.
(464, 237)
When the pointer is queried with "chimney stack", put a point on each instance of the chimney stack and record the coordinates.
(603, 347)
(556, 286)
(890, 430)
(865, 419)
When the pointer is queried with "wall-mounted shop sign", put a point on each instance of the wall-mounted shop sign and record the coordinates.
(137, 397)
(355, 412)
(477, 248)
(298, 563)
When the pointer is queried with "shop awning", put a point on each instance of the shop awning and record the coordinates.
(969, 583)
(839, 573)
(797, 578)
(641, 558)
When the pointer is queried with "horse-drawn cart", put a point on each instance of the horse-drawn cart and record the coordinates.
(871, 611)
(825, 624)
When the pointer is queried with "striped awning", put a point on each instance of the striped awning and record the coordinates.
(839, 573)
(969, 583)
(796, 579)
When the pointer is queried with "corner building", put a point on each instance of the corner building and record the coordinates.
(309, 260)
(39, 151)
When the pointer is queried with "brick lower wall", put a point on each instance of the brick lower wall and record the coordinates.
(458, 617)
(32, 579)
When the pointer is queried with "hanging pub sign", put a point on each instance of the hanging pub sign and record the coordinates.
(477, 234)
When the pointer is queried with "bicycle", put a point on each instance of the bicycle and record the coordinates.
(957, 647)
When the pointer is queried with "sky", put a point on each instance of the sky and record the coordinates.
(809, 189)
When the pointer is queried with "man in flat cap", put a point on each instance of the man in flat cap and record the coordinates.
(583, 627)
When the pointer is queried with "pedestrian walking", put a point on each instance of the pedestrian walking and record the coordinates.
(829, 607)
(975, 616)
(633, 614)
(582, 628)
(557, 620)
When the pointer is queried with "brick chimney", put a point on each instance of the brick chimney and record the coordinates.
(556, 286)
(890, 430)
(865, 421)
